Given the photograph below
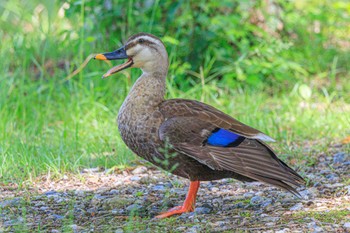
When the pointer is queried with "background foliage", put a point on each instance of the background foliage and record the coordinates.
(280, 66)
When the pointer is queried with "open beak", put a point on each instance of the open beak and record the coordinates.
(115, 55)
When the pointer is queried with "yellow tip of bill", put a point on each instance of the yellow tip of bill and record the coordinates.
(100, 57)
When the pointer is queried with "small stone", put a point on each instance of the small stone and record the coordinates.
(256, 200)
(347, 225)
(79, 193)
(9, 223)
(117, 202)
(260, 193)
(186, 216)
(296, 207)
(271, 219)
(285, 230)
(266, 203)
(194, 229)
(91, 170)
(91, 210)
(133, 207)
(55, 231)
(119, 230)
(97, 199)
(309, 193)
(114, 192)
(51, 193)
(339, 158)
(43, 208)
(248, 195)
(334, 186)
(332, 177)
(57, 216)
(270, 224)
(314, 228)
(180, 229)
(347, 188)
(10, 203)
(139, 170)
(135, 178)
(205, 209)
(76, 228)
(158, 187)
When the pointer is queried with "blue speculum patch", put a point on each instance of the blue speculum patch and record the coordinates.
(223, 137)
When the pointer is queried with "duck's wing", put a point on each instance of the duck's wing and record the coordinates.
(191, 108)
(223, 143)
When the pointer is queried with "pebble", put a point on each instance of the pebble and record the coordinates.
(180, 229)
(114, 192)
(43, 208)
(314, 228)
(135, 178)
(296, 207)
(271, 219)
(76, 228)
(10, 203)
(339, 158)
(133, 207)
(91, 170)
(139, 170)
(158, 187)
(266, 203)
(220, 223)
(119, 230)
(57, 216)
(203, 210)
(334, 186)
(256, 200)
(347, 188)
(51, 193)
(285, 230)
(194, 229)
(347, 225)
(332, 177)
(248, 195)
(270, 224)
(309, 193)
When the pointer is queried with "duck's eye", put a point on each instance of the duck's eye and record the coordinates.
(141, 41)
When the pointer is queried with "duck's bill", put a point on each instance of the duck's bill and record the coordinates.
(118, 68)
(115, 55)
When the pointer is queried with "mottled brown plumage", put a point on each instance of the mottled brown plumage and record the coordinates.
(178, 135)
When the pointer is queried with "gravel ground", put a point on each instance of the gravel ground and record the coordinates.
(127, 201)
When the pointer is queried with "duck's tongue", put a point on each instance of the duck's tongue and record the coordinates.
(118, 68)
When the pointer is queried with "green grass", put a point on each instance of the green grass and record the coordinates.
(51, 127)
(68, 126)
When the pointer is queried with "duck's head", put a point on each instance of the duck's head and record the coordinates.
(143, 51)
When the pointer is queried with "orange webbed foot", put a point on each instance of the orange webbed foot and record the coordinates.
(175, 211)
(188, 205)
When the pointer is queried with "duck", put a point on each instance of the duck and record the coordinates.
(188, 138)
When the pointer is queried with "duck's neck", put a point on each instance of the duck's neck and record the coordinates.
(148, 91)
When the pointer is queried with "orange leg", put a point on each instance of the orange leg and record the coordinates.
(188, 205)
